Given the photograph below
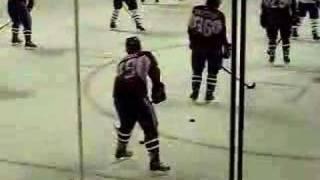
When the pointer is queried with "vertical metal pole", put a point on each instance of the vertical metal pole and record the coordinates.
(233, 104)
(78, 76)
(242, 67)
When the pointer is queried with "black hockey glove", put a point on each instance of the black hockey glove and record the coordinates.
(158, 93)
(226, 51)
(263, 20)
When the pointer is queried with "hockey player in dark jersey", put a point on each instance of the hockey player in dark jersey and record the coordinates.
(132, 103)
(278, 16)
(208, 43)
(133, 10)
(19, 12)
(310, 7)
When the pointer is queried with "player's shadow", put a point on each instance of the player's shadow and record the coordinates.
(151, 33)
(7, 93)
(174, 6)
(306, 40)
(44, 51)
(127, 31)
(278, 66)
(303, 69)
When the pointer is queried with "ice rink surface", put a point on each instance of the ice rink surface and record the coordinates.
(38, 126)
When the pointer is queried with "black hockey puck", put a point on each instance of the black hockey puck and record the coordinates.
(192, 120)
(141, 142)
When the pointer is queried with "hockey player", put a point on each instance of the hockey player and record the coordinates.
(208, 43)
(132, 103)
(133, 10)
(278, 16)
(310, 7)
(19, 12)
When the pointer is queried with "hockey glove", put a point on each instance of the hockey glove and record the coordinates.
(158, 93)
(226, 51)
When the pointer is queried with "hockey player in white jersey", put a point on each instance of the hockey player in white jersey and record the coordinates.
(310, 7)
(132, 9)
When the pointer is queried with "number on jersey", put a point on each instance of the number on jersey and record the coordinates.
(127, 69)
(205, 26)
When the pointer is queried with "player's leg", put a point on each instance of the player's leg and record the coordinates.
(26, 21)
(127, 115)
(214, 65)
(314, 16)
(197, 63)
(117, 5)
(133, 9)
(13, 12)
(285, 31)
(272, 33)
(302, 12)
(149, 123)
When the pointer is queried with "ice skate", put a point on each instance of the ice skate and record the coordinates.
(194, 95)
(156, 165)
(30, 45)
(209, 96)
(113, 25)
(122, 152)
(286, 60)
(315, 36)
(16, 41)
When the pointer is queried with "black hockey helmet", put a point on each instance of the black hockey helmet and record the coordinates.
(213, 3)
(133, 45)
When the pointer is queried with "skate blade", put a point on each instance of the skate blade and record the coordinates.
(114, 29)
(16, 44)
(30, 48)
(159, 173)
(120, 160)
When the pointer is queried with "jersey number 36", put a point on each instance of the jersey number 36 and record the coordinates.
(206, 27)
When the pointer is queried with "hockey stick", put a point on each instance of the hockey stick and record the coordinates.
(249, 86)
(5, 25)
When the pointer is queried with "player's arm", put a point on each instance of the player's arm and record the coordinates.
(158, 93)
(224, 31)
(190, 28)
(263, 15)
(154, 71)
(30, 5)
(226, 43)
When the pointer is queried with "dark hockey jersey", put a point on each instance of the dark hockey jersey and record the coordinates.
(132, 75)
(277, 12)
(28, 3)
(207, 28)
